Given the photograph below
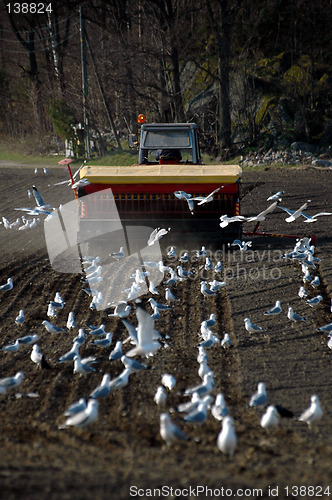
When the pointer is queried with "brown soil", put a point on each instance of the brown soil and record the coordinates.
(124, 448)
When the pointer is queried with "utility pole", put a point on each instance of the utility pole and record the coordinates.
(84, 84)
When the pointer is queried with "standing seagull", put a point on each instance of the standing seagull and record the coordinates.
(312, 414)
(250, 327)
(83, 418)
(7, 286)
(28, 339)
(227, 439)
(70, 355)
(315, 282)
(106, 342)
(12, 382)
(19, 320)
(82, 367)
(259, 398)
(291, 315)
(38, 358)
(270, 419)
(169, 431)
(103, 389)
(12, 347)
(274, 310)
(168, 381)
(302, 292)
(71, 323)
(118, 255)
(117, 351)
(315, 301)
(52, 328)
(121, 380)
(205, 291)
(219, 410)
(160, 396)
(169, 296)
(226, 342)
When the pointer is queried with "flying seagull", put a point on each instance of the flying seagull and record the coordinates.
(294, 214)
(41, 207)
(147, 343)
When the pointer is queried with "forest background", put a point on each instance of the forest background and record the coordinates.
(250, 74)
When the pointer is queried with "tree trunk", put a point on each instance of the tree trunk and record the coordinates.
(32, 72)
(224, 98)
(221, 29)
(178, 101)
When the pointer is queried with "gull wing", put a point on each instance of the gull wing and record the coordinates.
(131, 330)
(207, 198)
(38, 197)
(145, 329)
(287, 210)
(312, 218)
(268, 209)
(146, 343)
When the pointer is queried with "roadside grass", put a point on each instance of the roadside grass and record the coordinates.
(15, 153)
(24, 152)
(27, 159)
(11, 152)
(126, 157)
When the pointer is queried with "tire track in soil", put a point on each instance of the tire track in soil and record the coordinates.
(184, 328)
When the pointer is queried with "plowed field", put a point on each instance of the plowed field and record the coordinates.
(122, 455)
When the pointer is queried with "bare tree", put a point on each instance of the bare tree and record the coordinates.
(220, 19)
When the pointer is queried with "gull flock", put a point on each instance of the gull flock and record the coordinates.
(146, 344)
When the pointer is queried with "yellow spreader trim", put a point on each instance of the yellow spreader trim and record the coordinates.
(162, 174)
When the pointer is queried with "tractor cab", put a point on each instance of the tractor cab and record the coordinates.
(171, 143)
